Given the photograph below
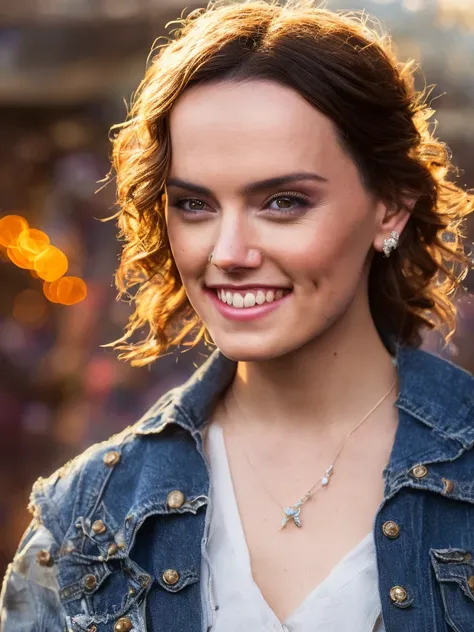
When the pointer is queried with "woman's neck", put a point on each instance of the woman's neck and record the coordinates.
(333, 380)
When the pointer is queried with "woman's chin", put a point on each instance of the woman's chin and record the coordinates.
(241, 350)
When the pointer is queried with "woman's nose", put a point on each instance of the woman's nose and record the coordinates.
(232, 249)
(251, 259)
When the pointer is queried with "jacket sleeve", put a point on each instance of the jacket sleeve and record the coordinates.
(29, 601)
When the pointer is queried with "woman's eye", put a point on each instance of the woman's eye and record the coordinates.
(291, 203)
(191, 206)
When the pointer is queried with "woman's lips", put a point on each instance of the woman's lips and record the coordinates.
(244, 314)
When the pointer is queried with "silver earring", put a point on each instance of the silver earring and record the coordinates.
(391, 243)
(210, 257)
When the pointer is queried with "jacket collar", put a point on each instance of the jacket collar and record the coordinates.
(191, 404)
(432, 390)
(437, 393)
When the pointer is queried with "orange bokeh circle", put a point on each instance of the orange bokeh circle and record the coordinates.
(10, 228)
(31, 242)
(71, 290)
(67, 290)
(49, 290)
(18, 258)
(50, 264)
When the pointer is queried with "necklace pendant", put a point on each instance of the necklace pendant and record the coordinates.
(293, 512)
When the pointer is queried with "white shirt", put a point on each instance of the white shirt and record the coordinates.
(347, 600)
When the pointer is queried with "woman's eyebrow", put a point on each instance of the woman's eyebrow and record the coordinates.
(252, 187)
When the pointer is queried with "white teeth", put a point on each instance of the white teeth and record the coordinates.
(237, 301)
(249, 300)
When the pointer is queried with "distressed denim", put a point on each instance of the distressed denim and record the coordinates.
(118, 553)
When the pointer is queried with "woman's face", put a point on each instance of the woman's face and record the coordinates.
(258, 177)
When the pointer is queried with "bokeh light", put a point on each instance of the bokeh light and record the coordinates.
(18, 258)
(71, 290)
(50, 291)
(31, 249)
(31, 242)
(51, 264)
(10, 228)
(67, 290)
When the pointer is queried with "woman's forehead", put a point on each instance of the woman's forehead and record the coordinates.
(258, 126)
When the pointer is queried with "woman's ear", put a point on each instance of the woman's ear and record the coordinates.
(391, 219)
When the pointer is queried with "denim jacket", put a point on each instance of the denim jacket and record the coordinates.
(119, 533)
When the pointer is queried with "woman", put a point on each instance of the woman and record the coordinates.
(281, 191)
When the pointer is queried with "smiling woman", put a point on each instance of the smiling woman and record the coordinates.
(281, 193)
(275, 100)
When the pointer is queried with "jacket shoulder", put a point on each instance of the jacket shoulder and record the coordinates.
(439, 393)
(423, 372)
(55, 499)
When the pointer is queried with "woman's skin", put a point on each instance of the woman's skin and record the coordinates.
(310, 370)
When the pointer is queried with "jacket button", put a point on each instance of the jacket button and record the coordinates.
(398, 594)
(44, 558)
(111, 458)
(124, 624)
(144, 580)
(99, 527)
(419, 471)
(170, 577)
(391, 529)
(448, 486)
(90, 582)
(175, 499)
(470, 583)
(112, 549)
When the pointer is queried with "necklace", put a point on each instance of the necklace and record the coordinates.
(293, 512)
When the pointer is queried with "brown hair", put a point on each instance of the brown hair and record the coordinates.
(344, 68)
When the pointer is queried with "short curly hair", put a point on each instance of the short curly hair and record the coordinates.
(343, 64)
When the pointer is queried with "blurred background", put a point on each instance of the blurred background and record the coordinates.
(66, 68)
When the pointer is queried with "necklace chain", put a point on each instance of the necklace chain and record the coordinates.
(293, 512)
